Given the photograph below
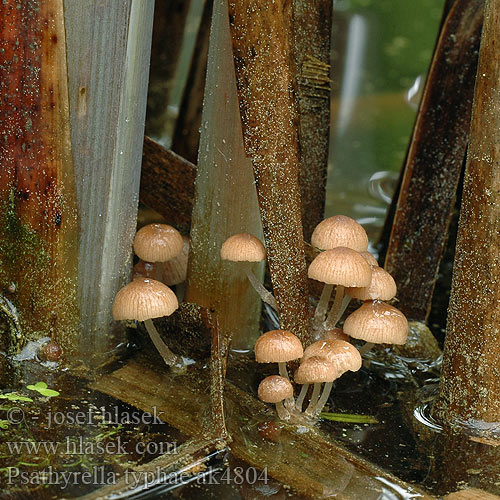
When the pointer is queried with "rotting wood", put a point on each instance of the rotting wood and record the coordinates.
(262, 39)
(108, 61)
(38, 227)
(186, 137)
(312, 31)
(225, 199)
(168, 29)
(329, 469)
(471, 374)
(434, 162)
(167, 184)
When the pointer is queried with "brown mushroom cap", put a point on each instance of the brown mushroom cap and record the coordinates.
(340, 266)
(343, 355)
(339, 231)
(175, 270)
(157, 243)
(378, 323)
(278, 346)
(274, 389)
(143, 299)
(243, 247)
(315, 370)
(382, 287)
(335, 334)
(369, 258)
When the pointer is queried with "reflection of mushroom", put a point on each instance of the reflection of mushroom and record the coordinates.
(339, 231)
(377, 323)
(275, 389)
(144, 299)
(244, 247)
(343, 267)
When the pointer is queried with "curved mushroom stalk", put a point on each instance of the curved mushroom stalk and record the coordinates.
(168, 356)
(264, 294)
(322, 307)
(366, 348)
(313, 401)
(282, 412)
(322, 400)
(302, 395)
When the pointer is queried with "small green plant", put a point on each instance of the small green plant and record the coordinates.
(349, 418)
(41, 387)
(15, 396)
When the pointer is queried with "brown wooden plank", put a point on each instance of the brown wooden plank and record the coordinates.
(167, 184)
(471, 374)
(434, 161)
(266, 78)
(38, 227)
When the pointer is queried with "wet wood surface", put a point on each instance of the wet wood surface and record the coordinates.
(186, 137)
(262, 40)
(38, 227)
(167, 184)
(471, 374)
(434, 162)
(328, 469)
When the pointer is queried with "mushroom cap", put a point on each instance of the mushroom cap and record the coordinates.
(339, 231)
(157, 243)
(382, 287)
(243, 247)
(378, 323)
(274, 389)
(340, 266)
(369, 258)
(175, 270)
(335, 334)
(343, 355)
(143, 299)
(278, 346)
(315, 370)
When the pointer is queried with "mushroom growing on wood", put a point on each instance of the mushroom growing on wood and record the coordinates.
(339, 231)
(143, 300)
(157, 243)
(245, 247)
(275, 389)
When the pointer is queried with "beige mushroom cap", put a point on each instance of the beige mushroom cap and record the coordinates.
(243, 247)
(274, 389)
(382, 287)
(315, 370)
(341, 266)
(278, 346)
(143, 299)
(369, 258)
(343, 355)
(175, 270)
(157, 243)
(339, 231)
(378, 323)
(335, 334)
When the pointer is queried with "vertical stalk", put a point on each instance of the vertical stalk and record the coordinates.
(471, 377)
(266, 77)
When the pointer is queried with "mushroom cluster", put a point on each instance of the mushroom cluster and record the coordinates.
(163, 254)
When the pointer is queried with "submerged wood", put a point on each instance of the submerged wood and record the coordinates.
(266, 77)
(312, 30)
(434, 161)
(38, 227)
(108, 59)
(167, 184)
(186, 137)
(225, 199)
(168, 31)
(328, 470)
(471, 375)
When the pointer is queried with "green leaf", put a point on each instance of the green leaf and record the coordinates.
(41, 387)
(4, 424)
(14, 396)
(349, 418)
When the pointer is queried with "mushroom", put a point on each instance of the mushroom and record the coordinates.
(339, 266)
(339, 231)
(377, 323)
(369, 258)
(335, 334)
(275, 389)
(144, 299)
(245, 247)
(157, 243)
(382, 287)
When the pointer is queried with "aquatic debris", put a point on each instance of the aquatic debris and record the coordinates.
(348, 418)
(42, 388)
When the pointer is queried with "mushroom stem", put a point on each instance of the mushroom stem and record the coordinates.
(302, 395)
(265, 295)
(289, 402)
(331, 321)
(323, 399)
(366, 348)
(168, 356)
(282, 412)
(322, 307)
(313, 401)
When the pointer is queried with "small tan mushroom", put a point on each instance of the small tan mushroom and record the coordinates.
(276, 389)
(382, 287)
(335, 334)
(369, 258)
(157, 243)
(339, 231)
